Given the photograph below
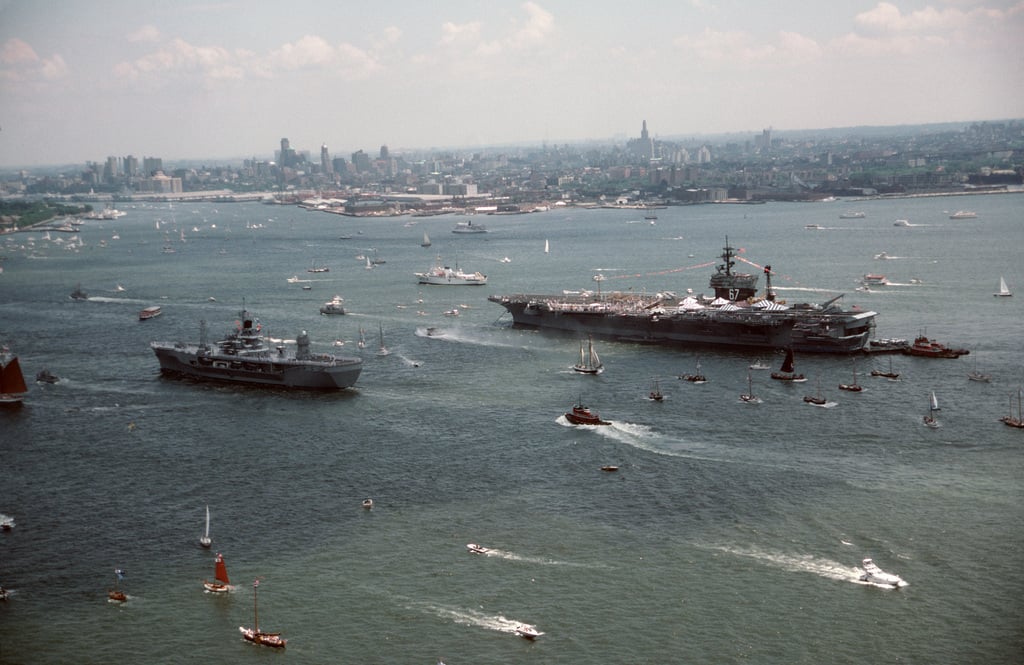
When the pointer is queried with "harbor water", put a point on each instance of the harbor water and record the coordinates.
(730, 533)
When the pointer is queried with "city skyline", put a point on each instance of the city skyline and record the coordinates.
(225, 80)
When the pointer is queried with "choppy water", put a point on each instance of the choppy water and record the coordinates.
(731, 532)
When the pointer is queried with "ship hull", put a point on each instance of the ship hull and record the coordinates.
(806, 333)
(188, 361)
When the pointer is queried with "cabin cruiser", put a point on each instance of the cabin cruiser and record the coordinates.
(872, 574)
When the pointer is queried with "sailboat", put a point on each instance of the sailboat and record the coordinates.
(547, 247)
(656, 393)
(383, 350)
(889, 375)
(12, 381)
(254, 634)
(204, 540)
(1004, 291)
(852, 387)
(220, 574)
(589, 362)
(1017, 422)
(933, 405)
(697, 377)
(116, 594)
(749, 397)
(786, 372)
(975, 375)
(426, 240)
(362, 338)
(817, 400)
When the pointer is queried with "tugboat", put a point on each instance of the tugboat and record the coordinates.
(927, 348)
(243, 357)
(582, 415)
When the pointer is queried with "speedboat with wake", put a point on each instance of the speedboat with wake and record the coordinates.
(872, 574)
(526, 631)
(473, 548)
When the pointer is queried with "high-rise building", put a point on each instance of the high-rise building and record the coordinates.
(325, 160)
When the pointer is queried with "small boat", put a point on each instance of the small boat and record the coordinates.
(589, 362)
(889, 375)
(927, 348)
(852, 215)
(220, 574)
(875, 575)
(367, 503)
(963, 214)
(696, 377)
(45, 376)
(933, 405)
(12, 381)
(293, 279)
(473, 548)
(749, 397)
(1004, 290)
(316, 268)
(656, 393)
(901, 222)
(852, 387)
(871, 279)
(975, 375)
(254, 634)
(609, 468)
(469, 227)
(786, 372)
(581, 415)
(383, 350)
(204, 539)
(1009, 420)
(335, 305)
(817, 400)
(115, 594)
(547, 246)
(758, 365)
(426, 240)
(4, 593)
(150, 312)
(362, 338)
(527, 631)
(79, 294)
(813, 227)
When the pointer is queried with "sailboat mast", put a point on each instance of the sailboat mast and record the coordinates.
(255, 609)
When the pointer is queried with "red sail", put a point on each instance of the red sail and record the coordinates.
(11, 380)
(787, 365)
(221, 571)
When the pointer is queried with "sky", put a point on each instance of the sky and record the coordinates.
(227, 79)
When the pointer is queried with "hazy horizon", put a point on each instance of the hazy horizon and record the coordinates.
(219, 81)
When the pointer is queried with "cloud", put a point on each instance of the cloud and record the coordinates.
(147, 33)
(15, 51)
(19, 62)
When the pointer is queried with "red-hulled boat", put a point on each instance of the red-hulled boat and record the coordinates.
(582, 415)
(927, 348)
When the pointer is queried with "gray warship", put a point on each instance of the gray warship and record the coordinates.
(243, 357)
(734, 318)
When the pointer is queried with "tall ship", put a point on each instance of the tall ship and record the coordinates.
(734, 318)
(244, 357)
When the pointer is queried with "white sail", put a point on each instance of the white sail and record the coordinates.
(205, 540)
(1004, 290)
(546, 246)
(933, 402)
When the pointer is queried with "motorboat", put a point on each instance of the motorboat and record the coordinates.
(875, 280)
(79, 293)
(46, 376)
(852, 215)
(609, 468)
(901, 222)
(582, 415)
(526, 631)
(335, 305)
(367, 503)
(473, 548)
(963, 214)
(872, 574)
(150, 312)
